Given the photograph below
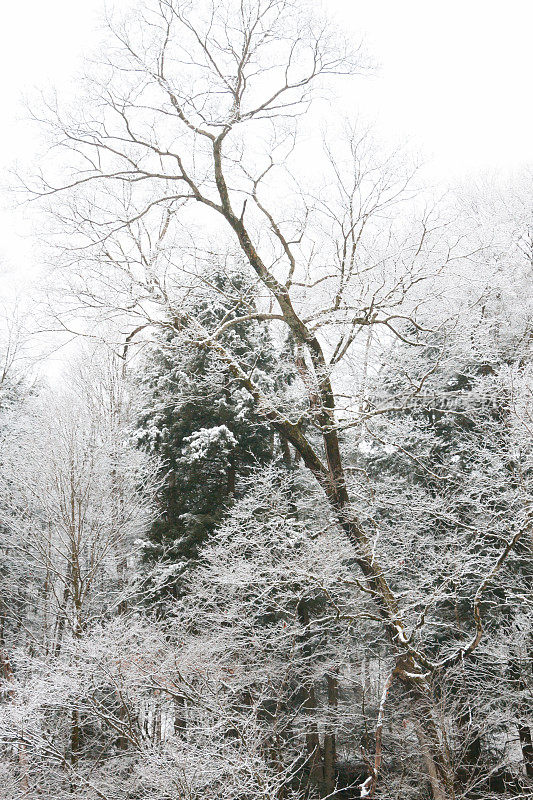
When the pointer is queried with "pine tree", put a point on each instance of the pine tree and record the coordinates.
(204, 428)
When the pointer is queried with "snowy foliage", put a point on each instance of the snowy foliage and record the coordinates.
(273, 540)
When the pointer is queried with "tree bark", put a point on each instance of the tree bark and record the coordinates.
(312, 741)
(526, 743)
(6, 672)
(330, 753)
(434, 752)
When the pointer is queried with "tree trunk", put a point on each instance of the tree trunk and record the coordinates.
(434, 752)
(516, 672)
(438, 789)
(312, 743)
(329, 737)
(526, 743)
(75, 736)
(6, 672)
(180, 716)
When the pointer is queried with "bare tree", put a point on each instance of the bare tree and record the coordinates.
(188, 151)
(76, 494)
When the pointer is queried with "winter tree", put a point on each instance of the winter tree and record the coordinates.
(76, 494)
(192, 148)
(206, 431)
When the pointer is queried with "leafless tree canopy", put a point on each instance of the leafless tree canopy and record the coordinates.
(358, 624)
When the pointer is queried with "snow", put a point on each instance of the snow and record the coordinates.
(200, 443)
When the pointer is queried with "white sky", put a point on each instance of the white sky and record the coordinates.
(455, 78)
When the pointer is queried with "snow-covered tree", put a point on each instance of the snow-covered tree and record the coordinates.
(76, 494)
(193, 146)
(204, 428)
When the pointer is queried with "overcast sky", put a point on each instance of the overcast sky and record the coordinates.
(454, 77)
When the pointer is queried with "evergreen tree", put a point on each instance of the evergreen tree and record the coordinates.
(204, 427)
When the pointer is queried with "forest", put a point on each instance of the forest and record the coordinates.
(268, 536)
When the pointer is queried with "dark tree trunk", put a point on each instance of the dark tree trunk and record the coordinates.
(330, 754)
